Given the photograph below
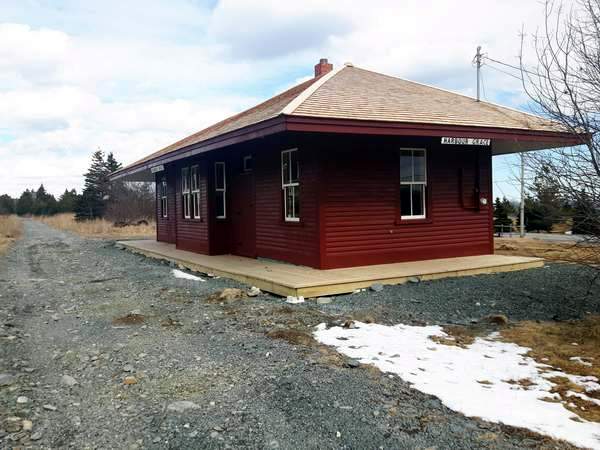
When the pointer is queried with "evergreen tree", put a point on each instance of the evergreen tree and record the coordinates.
(508, 207)
(97, 187)
(586, 216)
(68, 201)
(537, 215)
(545, 205)
(112, 165)
(502, 208)
(44, 204)
(7, 204)
(25, 203)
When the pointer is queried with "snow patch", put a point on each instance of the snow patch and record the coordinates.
(581, 360)
(481, 380)
(185, 276)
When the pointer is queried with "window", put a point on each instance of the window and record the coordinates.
(185, 191)
(220, 190)
(195, 188)
(163, 197)
(290, 171)
(248, 163)
(413, 183)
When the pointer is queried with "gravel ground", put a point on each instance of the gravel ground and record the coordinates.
(210, 374)
(555, 292)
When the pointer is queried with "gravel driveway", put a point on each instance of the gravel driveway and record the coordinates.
(80, 319)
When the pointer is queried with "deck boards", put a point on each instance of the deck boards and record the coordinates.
(287, 279)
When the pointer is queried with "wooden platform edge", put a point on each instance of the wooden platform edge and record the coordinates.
(330, 288)
(264, 285)
(344, 288)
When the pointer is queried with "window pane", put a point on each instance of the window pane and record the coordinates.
(405, 209)
(418, 197)
(294, 166)
(186, 205)
(285, 167)
(220, 204)
(419, 165)
(184, 179)
(196, 205)
(296, 202)
(406, 161)
(289, 201)
(248, 163)
(194, 178)
(220, 175)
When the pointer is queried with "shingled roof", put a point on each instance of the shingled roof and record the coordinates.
(358, 94)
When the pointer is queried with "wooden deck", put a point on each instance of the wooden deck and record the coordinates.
(287, 279)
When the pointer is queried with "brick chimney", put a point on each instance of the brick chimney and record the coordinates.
(323, 67)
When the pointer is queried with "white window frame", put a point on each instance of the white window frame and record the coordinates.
(185, 192)
(412, 183)
(195, 190)
(245, 163)
(285, 186)
(163, 198)
(221, 191)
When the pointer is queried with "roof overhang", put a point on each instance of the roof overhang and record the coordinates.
(503, 140)
(143, 170)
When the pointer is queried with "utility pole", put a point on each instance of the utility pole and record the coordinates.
(522, 206)
(477, 61)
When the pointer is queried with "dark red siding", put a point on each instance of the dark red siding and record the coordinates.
(192, 234)
(360, 213)
(297, 243)
(349, 201)
(165, 226)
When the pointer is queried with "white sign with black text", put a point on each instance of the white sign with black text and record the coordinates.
(465, 141)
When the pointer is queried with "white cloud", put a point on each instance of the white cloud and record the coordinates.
(252, 29)
(56, 104)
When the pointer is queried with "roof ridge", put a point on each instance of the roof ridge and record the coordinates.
(448, 91)
(311, 89)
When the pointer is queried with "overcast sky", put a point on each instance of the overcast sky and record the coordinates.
(131, 77)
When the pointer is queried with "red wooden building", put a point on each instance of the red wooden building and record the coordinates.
(349, 168)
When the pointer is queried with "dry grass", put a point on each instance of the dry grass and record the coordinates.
(99, 228)
(463, 336)
(11, 228)
(572, 347)
(458, 335)
(294, 337)
(553, 251)
(564, 345)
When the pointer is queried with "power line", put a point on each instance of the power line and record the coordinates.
(521, 69)
(497, 184)
(504, 72)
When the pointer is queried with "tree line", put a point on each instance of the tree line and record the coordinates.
(39, 202)
(117, 201)
(546, 205)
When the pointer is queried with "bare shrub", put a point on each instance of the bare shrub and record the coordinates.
(564, 85)
(131, 203)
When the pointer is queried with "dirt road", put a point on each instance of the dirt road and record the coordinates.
(80, 319)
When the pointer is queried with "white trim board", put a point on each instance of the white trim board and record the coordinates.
(297, 101)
